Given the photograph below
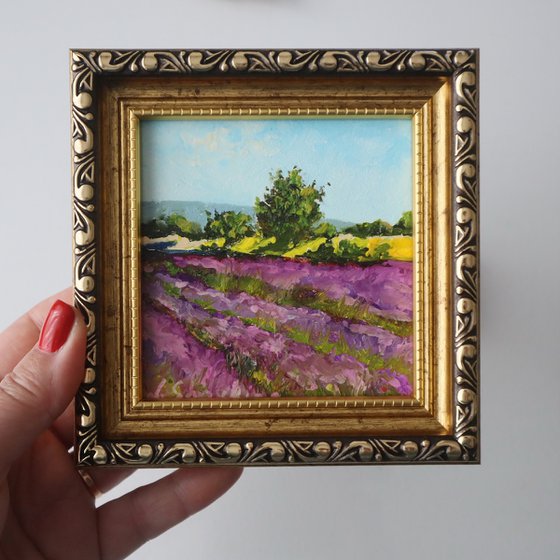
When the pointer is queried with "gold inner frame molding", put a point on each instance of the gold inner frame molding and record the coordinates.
(123, 104)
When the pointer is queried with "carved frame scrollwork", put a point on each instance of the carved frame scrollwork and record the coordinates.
(460, 67)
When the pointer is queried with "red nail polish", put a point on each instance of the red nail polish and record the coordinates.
(57, 326)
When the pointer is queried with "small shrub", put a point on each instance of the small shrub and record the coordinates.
(230, 225)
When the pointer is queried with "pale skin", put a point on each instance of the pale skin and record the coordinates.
(46, 510)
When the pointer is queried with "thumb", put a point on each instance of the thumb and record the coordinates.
(43, 384)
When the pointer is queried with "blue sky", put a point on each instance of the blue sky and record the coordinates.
(367, 161)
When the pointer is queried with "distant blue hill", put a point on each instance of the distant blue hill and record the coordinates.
(195, 211)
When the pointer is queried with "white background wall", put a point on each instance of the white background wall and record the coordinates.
(509, 507)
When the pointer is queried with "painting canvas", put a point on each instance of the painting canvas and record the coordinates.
(276, 257)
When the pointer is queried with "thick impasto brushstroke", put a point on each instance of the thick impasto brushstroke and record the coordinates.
(200, 341)
(386, 287)
(176, 364)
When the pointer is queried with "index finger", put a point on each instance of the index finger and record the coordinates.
(18, 339)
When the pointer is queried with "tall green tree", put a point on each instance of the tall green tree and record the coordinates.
(290, 208)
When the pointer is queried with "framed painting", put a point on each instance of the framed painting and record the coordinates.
(276, 254)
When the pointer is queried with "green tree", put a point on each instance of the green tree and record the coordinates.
(370, 229)
(162, 226)
(156, 227)
(404, 225)
(325, 229)
(185, 228)
(290, 208)
(229, 224)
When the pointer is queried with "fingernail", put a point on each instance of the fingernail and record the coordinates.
(57, 327)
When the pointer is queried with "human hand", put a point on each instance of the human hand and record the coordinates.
(46, 510)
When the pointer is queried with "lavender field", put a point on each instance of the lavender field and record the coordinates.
(246, 327)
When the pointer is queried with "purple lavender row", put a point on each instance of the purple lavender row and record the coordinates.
(318, 324)
(290, 367)
(176, 365)
(386, 288)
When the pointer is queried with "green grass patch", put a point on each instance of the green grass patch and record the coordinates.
(172, 268)
(171, 290)
(207, 306)
(263, 323)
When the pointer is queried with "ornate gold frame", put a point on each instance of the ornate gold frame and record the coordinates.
(112, 90)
